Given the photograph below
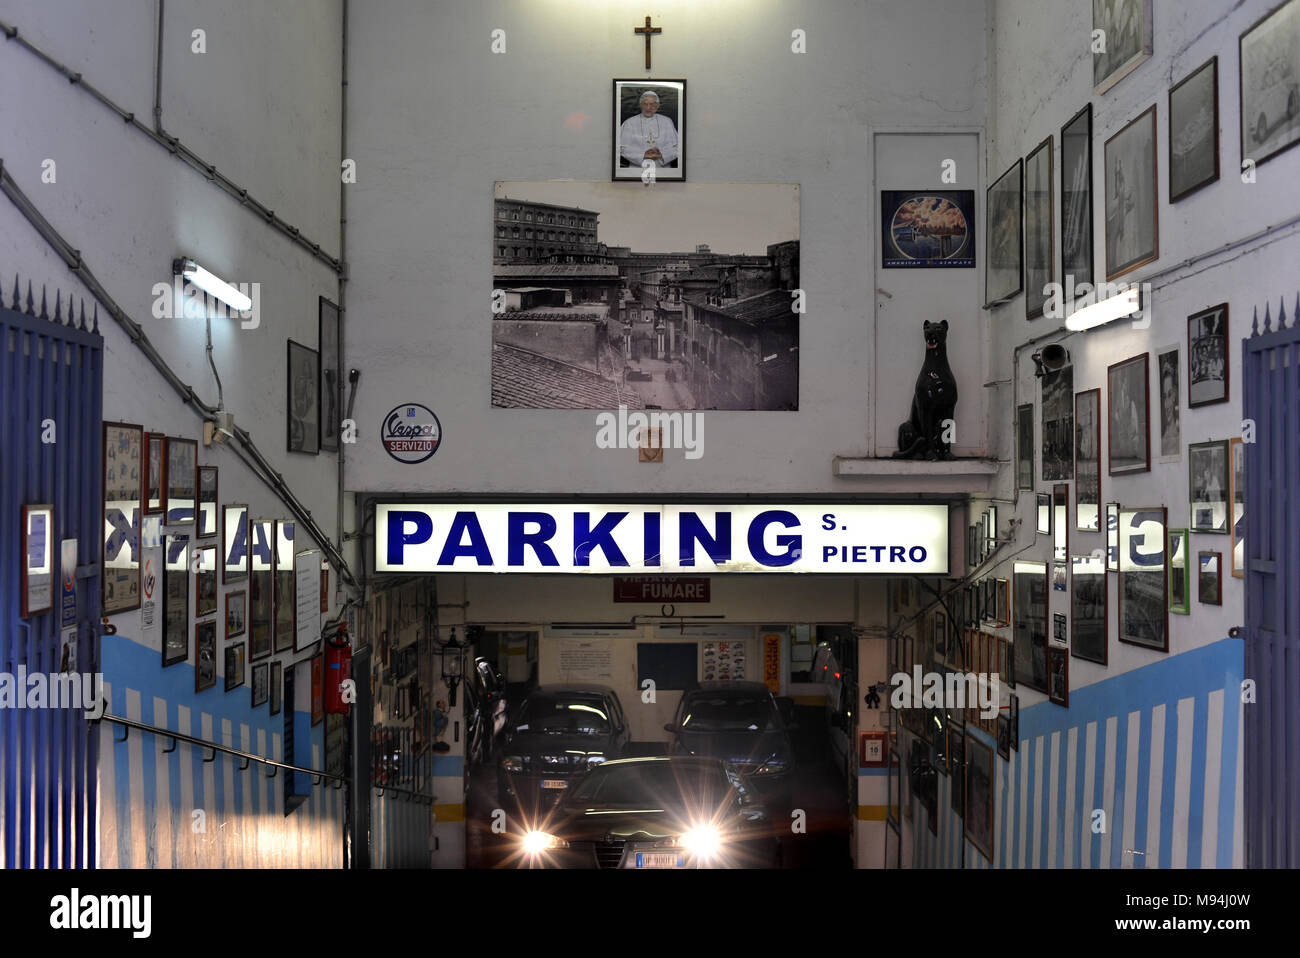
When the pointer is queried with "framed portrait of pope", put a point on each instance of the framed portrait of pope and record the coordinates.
(649, 132)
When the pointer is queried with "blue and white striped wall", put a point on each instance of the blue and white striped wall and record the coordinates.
(1158, 749)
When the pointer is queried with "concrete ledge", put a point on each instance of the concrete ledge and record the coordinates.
(978, 469)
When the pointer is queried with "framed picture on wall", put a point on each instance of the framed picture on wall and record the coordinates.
(1002, 611)
(123, 463)
(236, 613)
(1004, 735)
(277, 686)
(649, 130)
(1025, 446)
(1029, 637)
(235, 543)
(205, 654)
(331, 376)
(1058, 676)
(1043, 512)
(1061, 522)
(261, 690)
(1088, 608)
(1060, 582)
(927, 229)
(1194, 131)
(234, 665)
(1112, 537)
(1015, 723)
(261, 584)
(303, 401)
(176, 600)
(1126, 29)
(37, 568)
(154, 473)
(1237, 453)
(1207, 356)
(1180, 589)
(1132, 225)
(1129, 432)
(1143, 604)
(317, 688)
(979, 797)
(1168, 381)
(1004, 242)
(1087, 461)
(1209, 581)
(957, 766)
(1269, 62)
(1208, 480)
(1040, 256)
(1058, 424)
(180, 480)
(205, 581)
(207, 518)
(285, 594)
(1076, 200)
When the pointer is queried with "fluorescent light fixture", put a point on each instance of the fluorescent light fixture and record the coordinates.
(200, 277)
(1122, 304)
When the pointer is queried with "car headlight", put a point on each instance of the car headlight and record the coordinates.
(770, 768)
(703, 841)
(537, 842)
(513, 763)
(595, 759)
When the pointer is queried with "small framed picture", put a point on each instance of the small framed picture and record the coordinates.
(277, 687)
(1015, 723)
(317, 688)
(1044, 514)
(123, 461)
(303, 403)
(235, 543)
(1132, 225)
(1059, 636)
(180, 480)
(1194, 131)
(236, 613)
(1089, 611)
(1128, 400)
(979, 797)
(1269, 62)
(1112, 537)
(1168, 379)
(261, 684)
(1025, 446)
(1237, 453)
(649, 130)
(957, 764)
(205, 655)
(1143, 603)
(1087, 461)
(1208, 481)
(1207, 356)
(1126, 27)
(1003, 223)
(331, 376)
(207, 519)
(1059, 580)
(1004, 735)
(1003, 608)
(176, 600)
(1040, 257)
(1180, 589)
(1209, 582)
(1061, 522)
(872, 748)
(1058, 676)
(154, 473)
(234, 665)
(205, 581)
(37, 591)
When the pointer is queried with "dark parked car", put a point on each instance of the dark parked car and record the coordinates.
(485, 711)
(559, 732)
(744, 724)
(661, 812)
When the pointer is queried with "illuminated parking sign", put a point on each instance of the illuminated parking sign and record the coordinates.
(882, 539)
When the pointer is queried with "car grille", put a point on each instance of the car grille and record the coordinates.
(609, 854)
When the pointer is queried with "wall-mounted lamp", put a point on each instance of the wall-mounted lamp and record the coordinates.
(453, 666)
(210, 284)
(1122, 304)
(1049, 359)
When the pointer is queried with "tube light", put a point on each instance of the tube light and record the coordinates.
(1122, 304)
(200, 277)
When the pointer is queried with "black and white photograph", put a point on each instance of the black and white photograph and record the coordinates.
(1269, 63)
(234, 664)
(649, 130)
(261, 690)
(1088, 608)
(1076, 199)
(683, 303)
(1004, 735)
(1059, 636)
(1209, 582)
(176, 600)
(1132, 227)
(1126, 35)
(1143, 583)
(277, 686)
(1207, 465)
(1058, 424)
(1237, 453)
(1029, 585)
(261, 586)
(205, 654)
(285, 595)
(1128, 431)
(205, 582)
(153, 491)
(207, 521)
(1058, 676)
(1179, 572)
(1087, 461)
(330, 374)
(1207, 356)
(303, 399)
(236, 613)
(123, 488)
(979, 797)
(1168, 373)
(1039, 229)
(1003, 205)
(1043, 513)
(1025, 446)
(180, 480)
(1194, 131)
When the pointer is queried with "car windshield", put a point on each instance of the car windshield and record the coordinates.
(661, 784)
(573, 716)
(730, 713)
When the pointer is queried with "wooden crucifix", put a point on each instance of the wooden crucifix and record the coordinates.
(648, 31)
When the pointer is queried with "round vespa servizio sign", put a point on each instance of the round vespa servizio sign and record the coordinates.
(411, 433)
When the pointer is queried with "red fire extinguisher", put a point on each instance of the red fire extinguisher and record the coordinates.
(338, 668)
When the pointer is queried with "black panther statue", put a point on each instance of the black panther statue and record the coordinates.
(933, 404)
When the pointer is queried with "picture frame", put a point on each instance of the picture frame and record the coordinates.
(1058, 676)
(205, 654)
(1004, 236)
(205, 581)
(302, 402)
(1180, 584)
(1208, 484)
(317, 689)
(235, 543)
(1170, 390)
(1003, 606)
(927, 229)
(236, 613)
(1209, 578)
(1076, 200)
(261, 585)
(635, 134)
(207, 512)
(1129, 426)
(1237, 454)
(330, 374)
(37, 575)
(1059, 636)
(235, 665)
(1060, 581)
(1087, 461)
(1058, 424)
(1127, 30)
(1112, 536)
(939, 634)
(1025, 447)
(990, 530)
(1044, 513)
(1015, 723)
(261, 689)
(1089, 608)
(180, 481)
(277, 686)
(1040, 248)
(123, 467)
(973, 546)
(324, 588)
(1061, 522)
(153, 491)
(1194, 131)
(1143, 579)
(176, 600)
(286, 596)
(1208, 368)
(979, 797)
(1268, 63)
(1029, 635)
(957, 765)
(1004, 736)
(1132, 219)
(873, 749)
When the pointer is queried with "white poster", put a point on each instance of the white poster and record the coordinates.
(307, 609)
(151, 557)
(586, 660)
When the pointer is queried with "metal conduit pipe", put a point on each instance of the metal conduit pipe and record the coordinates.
(178, 149)
(258, 464)
(342, 273)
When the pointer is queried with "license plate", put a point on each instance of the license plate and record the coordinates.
(658, 860)
(554, 783)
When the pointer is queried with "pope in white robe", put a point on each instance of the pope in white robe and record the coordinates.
(647, 135)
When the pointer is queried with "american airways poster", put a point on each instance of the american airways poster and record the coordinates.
(850, 539)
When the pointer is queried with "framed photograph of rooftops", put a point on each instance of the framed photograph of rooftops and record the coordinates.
(668, 323)
(649, 130)
(1122, 40)
(1004, 242)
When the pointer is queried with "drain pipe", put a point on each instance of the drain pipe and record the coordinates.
(157, 74)
(342, 275)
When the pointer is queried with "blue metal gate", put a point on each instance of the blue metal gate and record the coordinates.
(51, 379)
(1271, 400)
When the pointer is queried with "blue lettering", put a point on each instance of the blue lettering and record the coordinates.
(126, 532)
(238, 545)
(897, 554)
(691, 531)
(912, 553)
(476, 548)
(398, 537)
(827, 552)
(585, 538)
(652, 538)
(262, 543)
(791, 544)
(519, 537)
(1136, 539)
